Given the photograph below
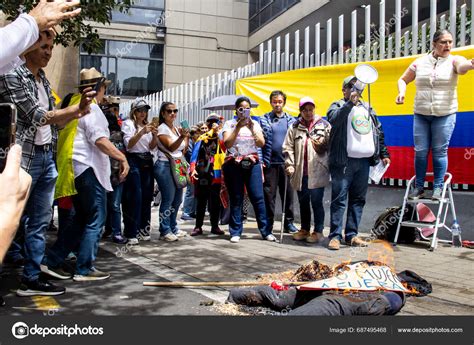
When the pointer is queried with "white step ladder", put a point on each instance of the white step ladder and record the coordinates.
(444, 204)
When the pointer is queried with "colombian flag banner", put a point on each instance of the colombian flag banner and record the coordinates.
(324, 85)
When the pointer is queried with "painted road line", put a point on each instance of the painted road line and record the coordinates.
(45, 303)
(165, 272)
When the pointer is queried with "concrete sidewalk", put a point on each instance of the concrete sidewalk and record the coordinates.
(214, 258)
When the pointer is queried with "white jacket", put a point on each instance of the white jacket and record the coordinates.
(436, 85)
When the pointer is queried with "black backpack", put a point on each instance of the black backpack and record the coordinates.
(386, 224)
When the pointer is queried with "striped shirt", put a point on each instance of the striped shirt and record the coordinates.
(20, 88)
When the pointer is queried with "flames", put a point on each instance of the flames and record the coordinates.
(381, 251)
(412, 290)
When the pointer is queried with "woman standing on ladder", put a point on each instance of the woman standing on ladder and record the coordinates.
(436, 104)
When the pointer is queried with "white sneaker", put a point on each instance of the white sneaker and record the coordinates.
(146, 238)
(271, 238)
(181, 233)
(235, 239)
(169, 237)
(133, 241)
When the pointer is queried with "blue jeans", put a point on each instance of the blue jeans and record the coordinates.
(311, 198)
(114, 213)
(38, 211)
(138, 195)
(90, 205)
(434, 132)
(171, 197)
(189, 206)
(235, 179)
(350, 181)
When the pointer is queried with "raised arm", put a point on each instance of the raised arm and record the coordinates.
(463, 65)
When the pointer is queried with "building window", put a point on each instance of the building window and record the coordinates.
(134, 69)
(142, 12)
(263, 11)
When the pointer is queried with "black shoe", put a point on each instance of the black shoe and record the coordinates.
(39, 288)
(56, 272)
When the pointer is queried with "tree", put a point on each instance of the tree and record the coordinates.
(75, 31)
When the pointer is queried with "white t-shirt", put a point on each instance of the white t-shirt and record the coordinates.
(129, 130)
(163, 129)
(43, 133)
(360, 140)
(85, 153)
(245, 142)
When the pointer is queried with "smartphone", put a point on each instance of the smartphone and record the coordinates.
(97, 87)
(155, 121)
(7, 131)
(184, 124)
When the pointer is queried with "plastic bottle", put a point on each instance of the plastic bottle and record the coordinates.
(456, 234)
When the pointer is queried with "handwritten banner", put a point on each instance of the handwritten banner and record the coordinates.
(361, 277)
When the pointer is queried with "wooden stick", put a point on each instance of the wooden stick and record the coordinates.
(194, 284)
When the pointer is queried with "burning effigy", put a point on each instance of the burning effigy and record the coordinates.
(360, 288)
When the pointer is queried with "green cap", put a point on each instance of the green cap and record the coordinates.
(347, 80)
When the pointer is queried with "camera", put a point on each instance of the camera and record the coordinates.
(21, 331)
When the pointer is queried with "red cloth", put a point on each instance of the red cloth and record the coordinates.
(278, 287)
(65, 203)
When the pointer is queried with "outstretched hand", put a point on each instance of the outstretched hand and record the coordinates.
(49, 14)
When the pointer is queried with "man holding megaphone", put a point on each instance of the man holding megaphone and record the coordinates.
(356, 143)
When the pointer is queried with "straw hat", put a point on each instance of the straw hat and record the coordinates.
(91, 76)
(113, 100)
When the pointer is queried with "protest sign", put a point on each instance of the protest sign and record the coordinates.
(360, 277)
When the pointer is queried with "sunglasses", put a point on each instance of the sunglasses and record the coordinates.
(242, 109)
(171, 111)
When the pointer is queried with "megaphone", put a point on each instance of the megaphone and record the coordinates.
(366, 75)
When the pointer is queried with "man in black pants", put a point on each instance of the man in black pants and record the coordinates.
(275, 124)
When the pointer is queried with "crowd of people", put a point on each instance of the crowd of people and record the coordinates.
(101, 170)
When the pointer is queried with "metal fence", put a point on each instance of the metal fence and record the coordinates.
(276, 56)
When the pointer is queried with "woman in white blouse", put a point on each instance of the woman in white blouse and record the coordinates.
(436, 103)
(172, 141)
(139, 141)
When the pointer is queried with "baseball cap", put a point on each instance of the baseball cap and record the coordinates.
(347, 80)
(140, 103)
(213, 117)
(306, 100)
